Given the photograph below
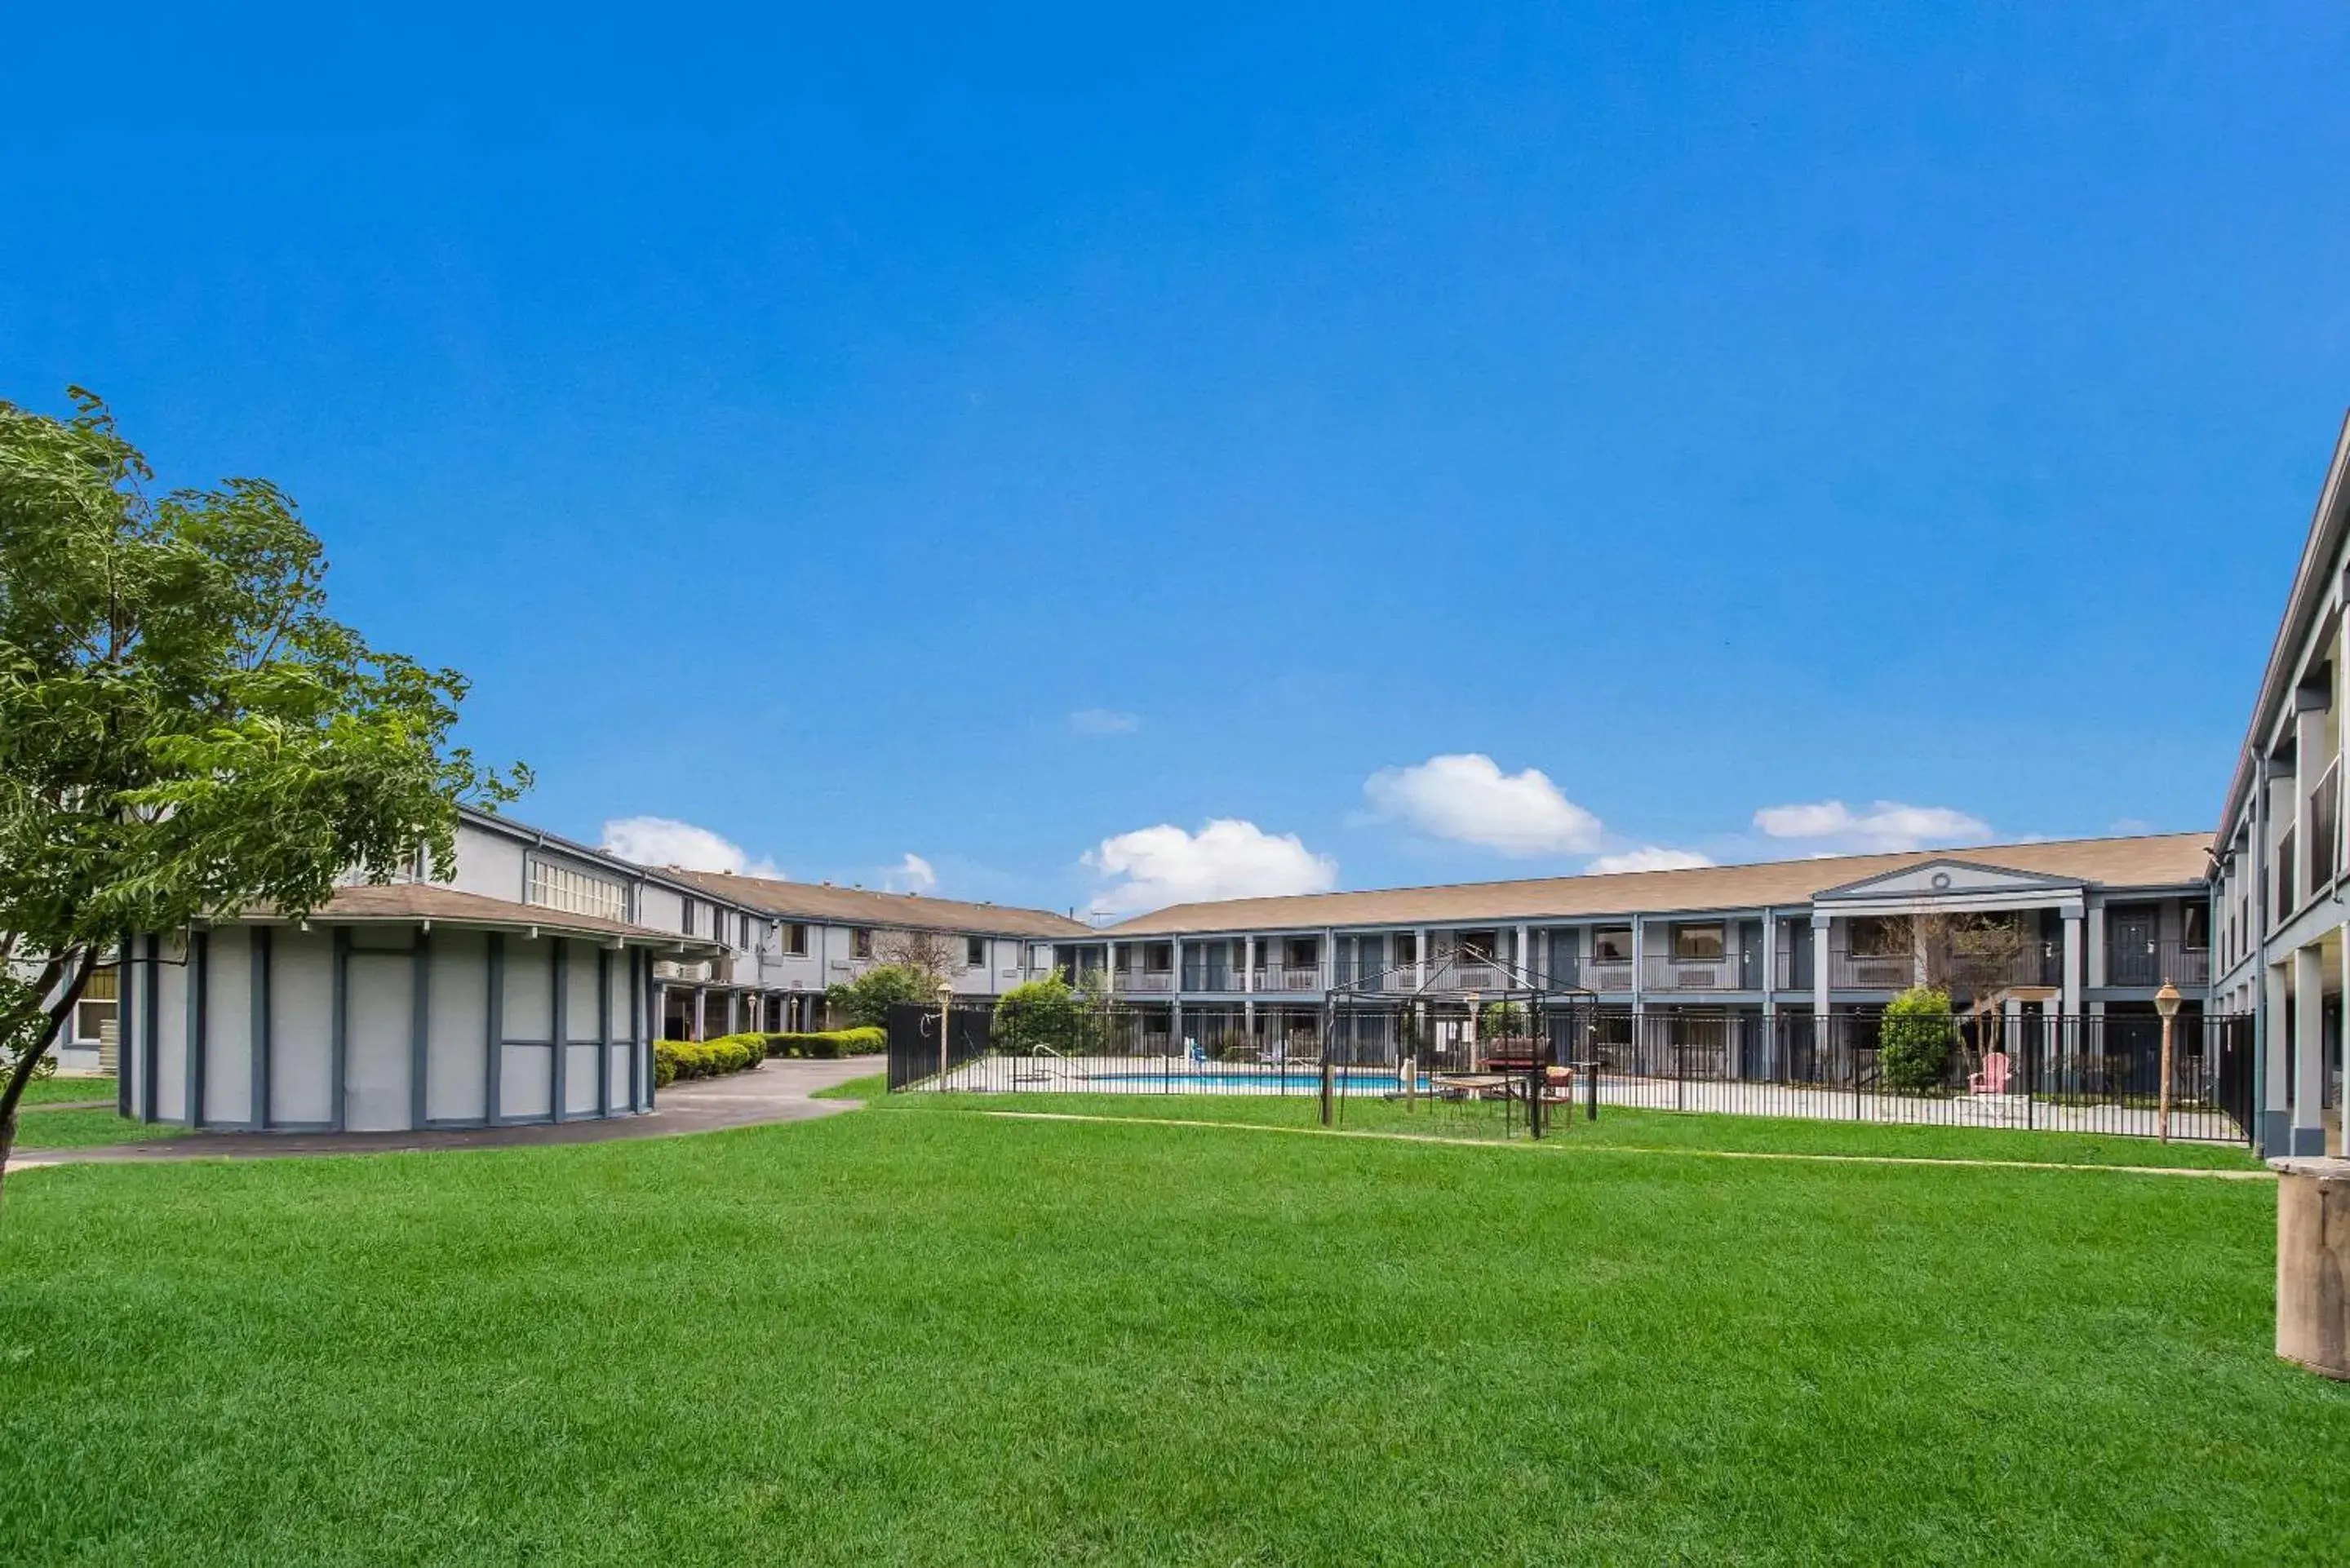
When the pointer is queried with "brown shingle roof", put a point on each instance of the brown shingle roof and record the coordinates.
(431, 901)
(855, 905)
(2160, 860)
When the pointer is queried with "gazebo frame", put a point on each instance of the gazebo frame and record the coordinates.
(1434, 1014)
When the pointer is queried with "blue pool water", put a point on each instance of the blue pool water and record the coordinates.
(1296, 1078)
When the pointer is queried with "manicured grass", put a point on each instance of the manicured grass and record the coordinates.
(911, 1337)
(53, 1091)
(1615, 1127)
(84, 1129)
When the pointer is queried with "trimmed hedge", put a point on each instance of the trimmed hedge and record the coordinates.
(675, 1059)
(825, 1045)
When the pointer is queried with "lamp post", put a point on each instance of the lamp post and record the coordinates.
(946, 995)
(2166, 1003)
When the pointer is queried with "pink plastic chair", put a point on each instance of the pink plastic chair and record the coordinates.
(1992, 1079)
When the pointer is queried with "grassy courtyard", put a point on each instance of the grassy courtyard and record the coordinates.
(907, 1336)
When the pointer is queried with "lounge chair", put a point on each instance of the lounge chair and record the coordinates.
(1992, 1079)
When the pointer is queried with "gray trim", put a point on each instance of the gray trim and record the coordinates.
(635, 1011)
(339, 1070)
(199, 957)
(603, 1032)
(558, 966)
(419, 1025)
(123, 969)
(493, 1068)
(149, 1110)
(264, 944)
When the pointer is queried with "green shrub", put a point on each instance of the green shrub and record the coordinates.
(828, 1044)
(1045, 1013)
(675, 1059)
(865, 1000)
(1914, 1041)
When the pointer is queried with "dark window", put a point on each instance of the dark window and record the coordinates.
(1876, 936)
(974, 952)
(1479, 946)
(1696, 941)
(2194, 926)
(1407, 948)
(1302, 952)
(860, 941)
(685, 916)
(1612, 944)
(795, 938)
(1158, 958)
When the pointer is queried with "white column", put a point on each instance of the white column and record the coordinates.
(2072, 996)
(2308, 1043)
(1770, 993)
(1640, 963)
(1820, 933)
(2276, 1086)
(1526, 951)
(1420, 958)
(2096, 932)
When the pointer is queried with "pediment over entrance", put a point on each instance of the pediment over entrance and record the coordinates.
(1954, 879)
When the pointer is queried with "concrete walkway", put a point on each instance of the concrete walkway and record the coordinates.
(778, 1091)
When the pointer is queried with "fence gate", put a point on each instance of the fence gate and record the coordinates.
(914, 1053)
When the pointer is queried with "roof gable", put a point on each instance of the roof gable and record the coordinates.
(1947, 876)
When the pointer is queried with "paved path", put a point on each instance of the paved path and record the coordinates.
(778, 1091)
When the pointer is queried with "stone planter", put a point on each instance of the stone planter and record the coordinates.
(2314, 1263)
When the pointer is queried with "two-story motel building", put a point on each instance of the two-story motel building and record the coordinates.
(2101, 925)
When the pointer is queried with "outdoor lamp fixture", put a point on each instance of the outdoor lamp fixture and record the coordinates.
(2166, 1003)
(946, 995)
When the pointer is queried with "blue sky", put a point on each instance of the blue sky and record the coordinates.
(890, 430)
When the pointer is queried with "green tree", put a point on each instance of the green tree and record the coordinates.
(1914, 1041)
(1045, 1011)
(865, 1002)
(1501, 1018)
(183, 730)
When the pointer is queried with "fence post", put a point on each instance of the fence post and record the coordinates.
(1330, 1089)
(2030, 1080)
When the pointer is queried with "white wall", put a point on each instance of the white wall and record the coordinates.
(456, 1083)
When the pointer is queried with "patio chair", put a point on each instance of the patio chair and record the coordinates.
(1992, 1079)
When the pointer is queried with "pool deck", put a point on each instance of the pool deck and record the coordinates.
(1177, 1074)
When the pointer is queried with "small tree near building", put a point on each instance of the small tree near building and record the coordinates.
(1045, 1013)
(865, 1002)
(1914, 1041)
(933, 955)
(184, 732)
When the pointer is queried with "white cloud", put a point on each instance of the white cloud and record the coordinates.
(1886, 826)
(913, 875)
(1468, 798)
(1104, 721)
(1648, 857)
(1227, 858)
(664, 841)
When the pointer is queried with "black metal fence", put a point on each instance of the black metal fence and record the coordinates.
(2090, 1072)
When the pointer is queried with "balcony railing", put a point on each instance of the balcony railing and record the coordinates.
(2324, 851)
(1290, 977)
(1872, 971)
(2286, 883)
(1663, 974)
(1200, 978)
(1607, 975)
(1143, 981)
(2153, 962)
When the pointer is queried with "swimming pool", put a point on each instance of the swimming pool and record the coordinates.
(1354, 1081)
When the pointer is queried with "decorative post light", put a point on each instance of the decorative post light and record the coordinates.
(2166, 1003)
(946, 995)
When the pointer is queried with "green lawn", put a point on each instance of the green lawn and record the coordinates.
(38, 1128)
(1615, 1127)
(896, 1337)
(53, 1091)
